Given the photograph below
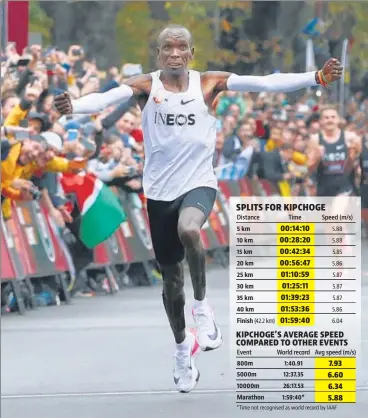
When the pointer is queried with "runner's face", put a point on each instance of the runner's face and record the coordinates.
(330, 119)
(175, 53)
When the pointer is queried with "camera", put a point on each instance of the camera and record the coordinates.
(77, 52)
(36, 193)
(132, 172)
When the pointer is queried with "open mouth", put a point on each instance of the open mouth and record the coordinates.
(175, 65)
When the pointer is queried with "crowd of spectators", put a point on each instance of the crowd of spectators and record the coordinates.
(110, 144)
(250, 127)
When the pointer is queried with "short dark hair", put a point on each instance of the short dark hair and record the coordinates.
(175, 27)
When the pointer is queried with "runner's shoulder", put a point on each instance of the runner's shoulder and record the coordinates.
(216, 79)
(141, 84)
(351, 135)
(353, 139)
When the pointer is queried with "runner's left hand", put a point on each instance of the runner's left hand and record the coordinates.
(332, 70)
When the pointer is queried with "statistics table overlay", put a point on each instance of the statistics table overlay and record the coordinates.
(295, 299)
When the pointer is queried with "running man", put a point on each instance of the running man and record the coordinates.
(333, 153)
(179, 180)
(333, 156)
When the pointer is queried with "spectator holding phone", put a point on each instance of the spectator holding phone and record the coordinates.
(239, 150)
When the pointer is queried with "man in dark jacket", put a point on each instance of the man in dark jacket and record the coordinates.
(274, 164)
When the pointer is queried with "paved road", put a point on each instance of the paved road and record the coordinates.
(111, 356)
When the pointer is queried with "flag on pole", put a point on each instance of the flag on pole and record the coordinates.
(310, 61)
(345, 77)
(316, 27)
(101, 211)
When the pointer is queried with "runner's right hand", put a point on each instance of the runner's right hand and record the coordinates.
(63, 104)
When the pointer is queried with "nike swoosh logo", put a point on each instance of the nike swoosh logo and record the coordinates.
(176, 379)
(188, 101)
(214, 336)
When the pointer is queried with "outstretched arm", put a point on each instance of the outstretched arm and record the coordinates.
(281, 82)
(96, 102)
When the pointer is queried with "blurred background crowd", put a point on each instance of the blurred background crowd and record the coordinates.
(110, 144)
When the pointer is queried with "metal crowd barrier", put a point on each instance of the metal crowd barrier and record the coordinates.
(31, 246)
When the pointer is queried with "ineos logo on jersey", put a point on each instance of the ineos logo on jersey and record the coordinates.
(171, 119)
(335, 156)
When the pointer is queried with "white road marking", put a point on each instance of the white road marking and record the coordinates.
(132, 393)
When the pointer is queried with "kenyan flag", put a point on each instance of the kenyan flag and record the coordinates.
(101, 212)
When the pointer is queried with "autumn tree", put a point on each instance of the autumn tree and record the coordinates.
(141, 22)
(349, 20)
(39, 22)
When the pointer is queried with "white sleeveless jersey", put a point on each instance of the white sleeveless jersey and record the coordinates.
(179, 141)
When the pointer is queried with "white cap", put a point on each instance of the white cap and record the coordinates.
(53, 140)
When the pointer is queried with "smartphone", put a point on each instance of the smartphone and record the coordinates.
(132, 172)
(23, 62)
(76, 52)
(72, 135)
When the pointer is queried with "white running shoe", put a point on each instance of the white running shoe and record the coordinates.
(209, 335)
(186, 375)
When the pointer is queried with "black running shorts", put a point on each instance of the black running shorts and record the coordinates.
(164, 217)
(332, 187)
